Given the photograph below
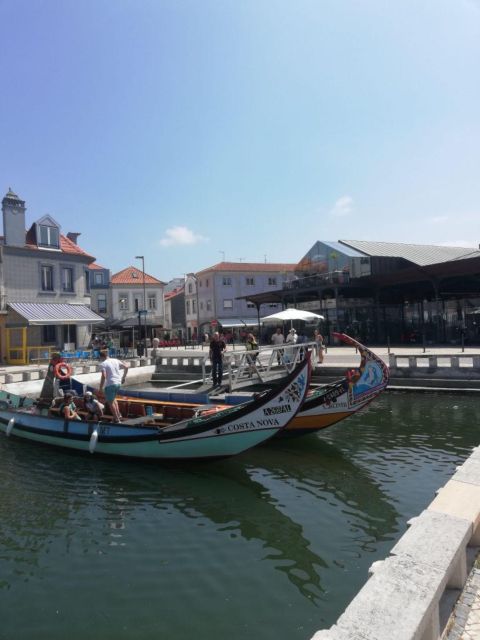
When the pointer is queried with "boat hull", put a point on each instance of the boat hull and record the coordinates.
(220, 434)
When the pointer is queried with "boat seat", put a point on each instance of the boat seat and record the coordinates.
(136, 410)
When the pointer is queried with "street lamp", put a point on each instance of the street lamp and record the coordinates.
(144, 310)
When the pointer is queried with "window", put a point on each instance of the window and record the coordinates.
(188, 307)
(152, 301)
(67, 279)
(47, 278)
(227, 282)
(201, 306)
(87, 281)
(199, 283)
(272, 282)
(193, 306)
(250, 281)
(123, 302)
(102, 303)
(190, 288)
(137, 303)
(49, 236)
(49, 334)
(228, 304)
(209, 305)
(250, 305)
(206, 282)
(98, 278)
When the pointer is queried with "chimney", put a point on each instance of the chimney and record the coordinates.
(73, 235)
(13, 210)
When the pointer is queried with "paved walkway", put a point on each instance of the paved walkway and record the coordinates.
(464, 624)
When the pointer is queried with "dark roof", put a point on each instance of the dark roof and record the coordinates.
(419, 254)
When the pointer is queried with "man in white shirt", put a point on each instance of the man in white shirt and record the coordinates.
(277, 339)
(112, 377)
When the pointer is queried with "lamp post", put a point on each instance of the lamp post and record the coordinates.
(144, 310)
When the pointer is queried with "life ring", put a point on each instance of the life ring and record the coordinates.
(62, 371)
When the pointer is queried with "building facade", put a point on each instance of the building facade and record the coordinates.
(191, 307)
(44, 286)
(222, 292)
(136, 304)
(100, 298)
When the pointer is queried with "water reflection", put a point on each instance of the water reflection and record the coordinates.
(51, 493)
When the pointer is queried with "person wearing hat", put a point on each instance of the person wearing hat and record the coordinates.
(292, 336)
(93, 406)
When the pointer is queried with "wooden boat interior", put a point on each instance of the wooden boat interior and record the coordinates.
(135, 411)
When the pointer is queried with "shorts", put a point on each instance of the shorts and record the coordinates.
(111, 392)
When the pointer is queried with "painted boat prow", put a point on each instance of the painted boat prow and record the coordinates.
(336, 401)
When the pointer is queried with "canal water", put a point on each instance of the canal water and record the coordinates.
(270, 545)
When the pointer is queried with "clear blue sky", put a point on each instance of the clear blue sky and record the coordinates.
(181, 129)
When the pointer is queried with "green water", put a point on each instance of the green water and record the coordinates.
(271, 545)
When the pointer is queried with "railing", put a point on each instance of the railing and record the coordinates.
(444, 365)
(319, 280)
(243, 368)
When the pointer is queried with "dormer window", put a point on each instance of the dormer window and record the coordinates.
(49, 236)
(134, 275)
(47, 232)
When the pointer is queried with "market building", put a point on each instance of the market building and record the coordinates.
(386, 292)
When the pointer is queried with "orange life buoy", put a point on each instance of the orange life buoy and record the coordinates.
(62, 370)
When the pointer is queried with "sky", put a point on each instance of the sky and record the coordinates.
(197, 131)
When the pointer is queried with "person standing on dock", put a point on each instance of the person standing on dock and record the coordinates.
(112, 378)
(277, 339)
(217, 348)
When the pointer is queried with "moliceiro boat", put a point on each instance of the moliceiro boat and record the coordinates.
(323, 406)
(207, 434)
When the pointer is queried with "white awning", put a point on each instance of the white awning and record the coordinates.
(237, 322)
(42, 313)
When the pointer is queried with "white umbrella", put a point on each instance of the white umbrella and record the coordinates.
(292, 314)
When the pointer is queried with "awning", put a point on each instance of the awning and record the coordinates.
(42, 313)
(237, 322)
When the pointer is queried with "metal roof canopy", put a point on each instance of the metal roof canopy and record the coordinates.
(45, 313)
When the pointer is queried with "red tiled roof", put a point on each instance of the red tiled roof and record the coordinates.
(249, 266)
(94, 266)
(175, 292)
(125, 277)
(66, 245)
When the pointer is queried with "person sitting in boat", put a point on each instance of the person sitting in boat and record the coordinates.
(68, 409)
(93, 406)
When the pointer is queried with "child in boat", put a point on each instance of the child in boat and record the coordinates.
(93, 406)
(68, 409)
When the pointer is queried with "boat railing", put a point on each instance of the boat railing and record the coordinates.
(244, 368)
